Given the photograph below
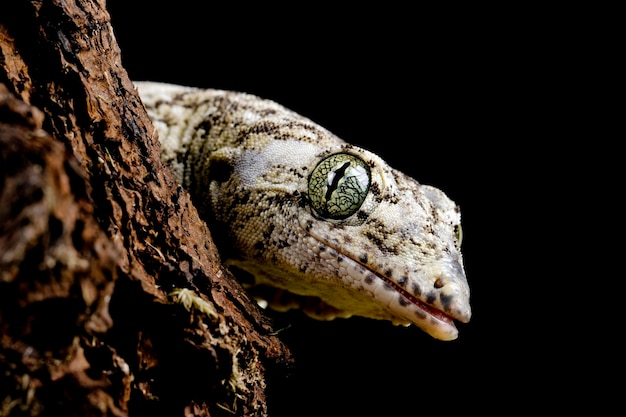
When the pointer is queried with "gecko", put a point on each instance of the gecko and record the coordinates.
(309, 220)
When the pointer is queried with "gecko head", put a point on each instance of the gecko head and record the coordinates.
(321, 218)
(342, 226)
(395, 242)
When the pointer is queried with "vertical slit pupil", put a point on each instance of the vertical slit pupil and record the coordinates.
(339, 173)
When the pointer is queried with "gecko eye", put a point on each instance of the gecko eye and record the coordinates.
(338, 186)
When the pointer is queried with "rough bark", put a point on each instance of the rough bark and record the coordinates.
(96, 237)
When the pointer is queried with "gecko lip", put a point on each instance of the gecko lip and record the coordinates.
(433, 321)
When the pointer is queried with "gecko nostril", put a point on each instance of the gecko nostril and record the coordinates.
(439, 283)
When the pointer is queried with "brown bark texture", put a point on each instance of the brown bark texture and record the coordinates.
(97, 240)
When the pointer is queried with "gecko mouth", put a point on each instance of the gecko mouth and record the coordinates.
(404, 307)
(427, 309)
(399, 305)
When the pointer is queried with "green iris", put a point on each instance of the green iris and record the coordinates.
(338, 186)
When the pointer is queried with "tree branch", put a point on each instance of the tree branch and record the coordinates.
(96, 235)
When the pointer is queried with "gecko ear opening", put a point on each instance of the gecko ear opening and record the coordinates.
(220, 170)
(338, 186)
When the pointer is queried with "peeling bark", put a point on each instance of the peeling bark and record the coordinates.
(96, 236)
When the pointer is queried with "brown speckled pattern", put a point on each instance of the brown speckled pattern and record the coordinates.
(246, 163)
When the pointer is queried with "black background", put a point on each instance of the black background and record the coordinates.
(444, 97)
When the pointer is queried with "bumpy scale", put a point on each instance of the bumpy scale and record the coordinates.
(305, 213)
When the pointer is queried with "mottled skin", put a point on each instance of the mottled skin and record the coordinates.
(247, 162)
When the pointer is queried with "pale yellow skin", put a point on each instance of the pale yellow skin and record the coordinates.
(247, 162)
